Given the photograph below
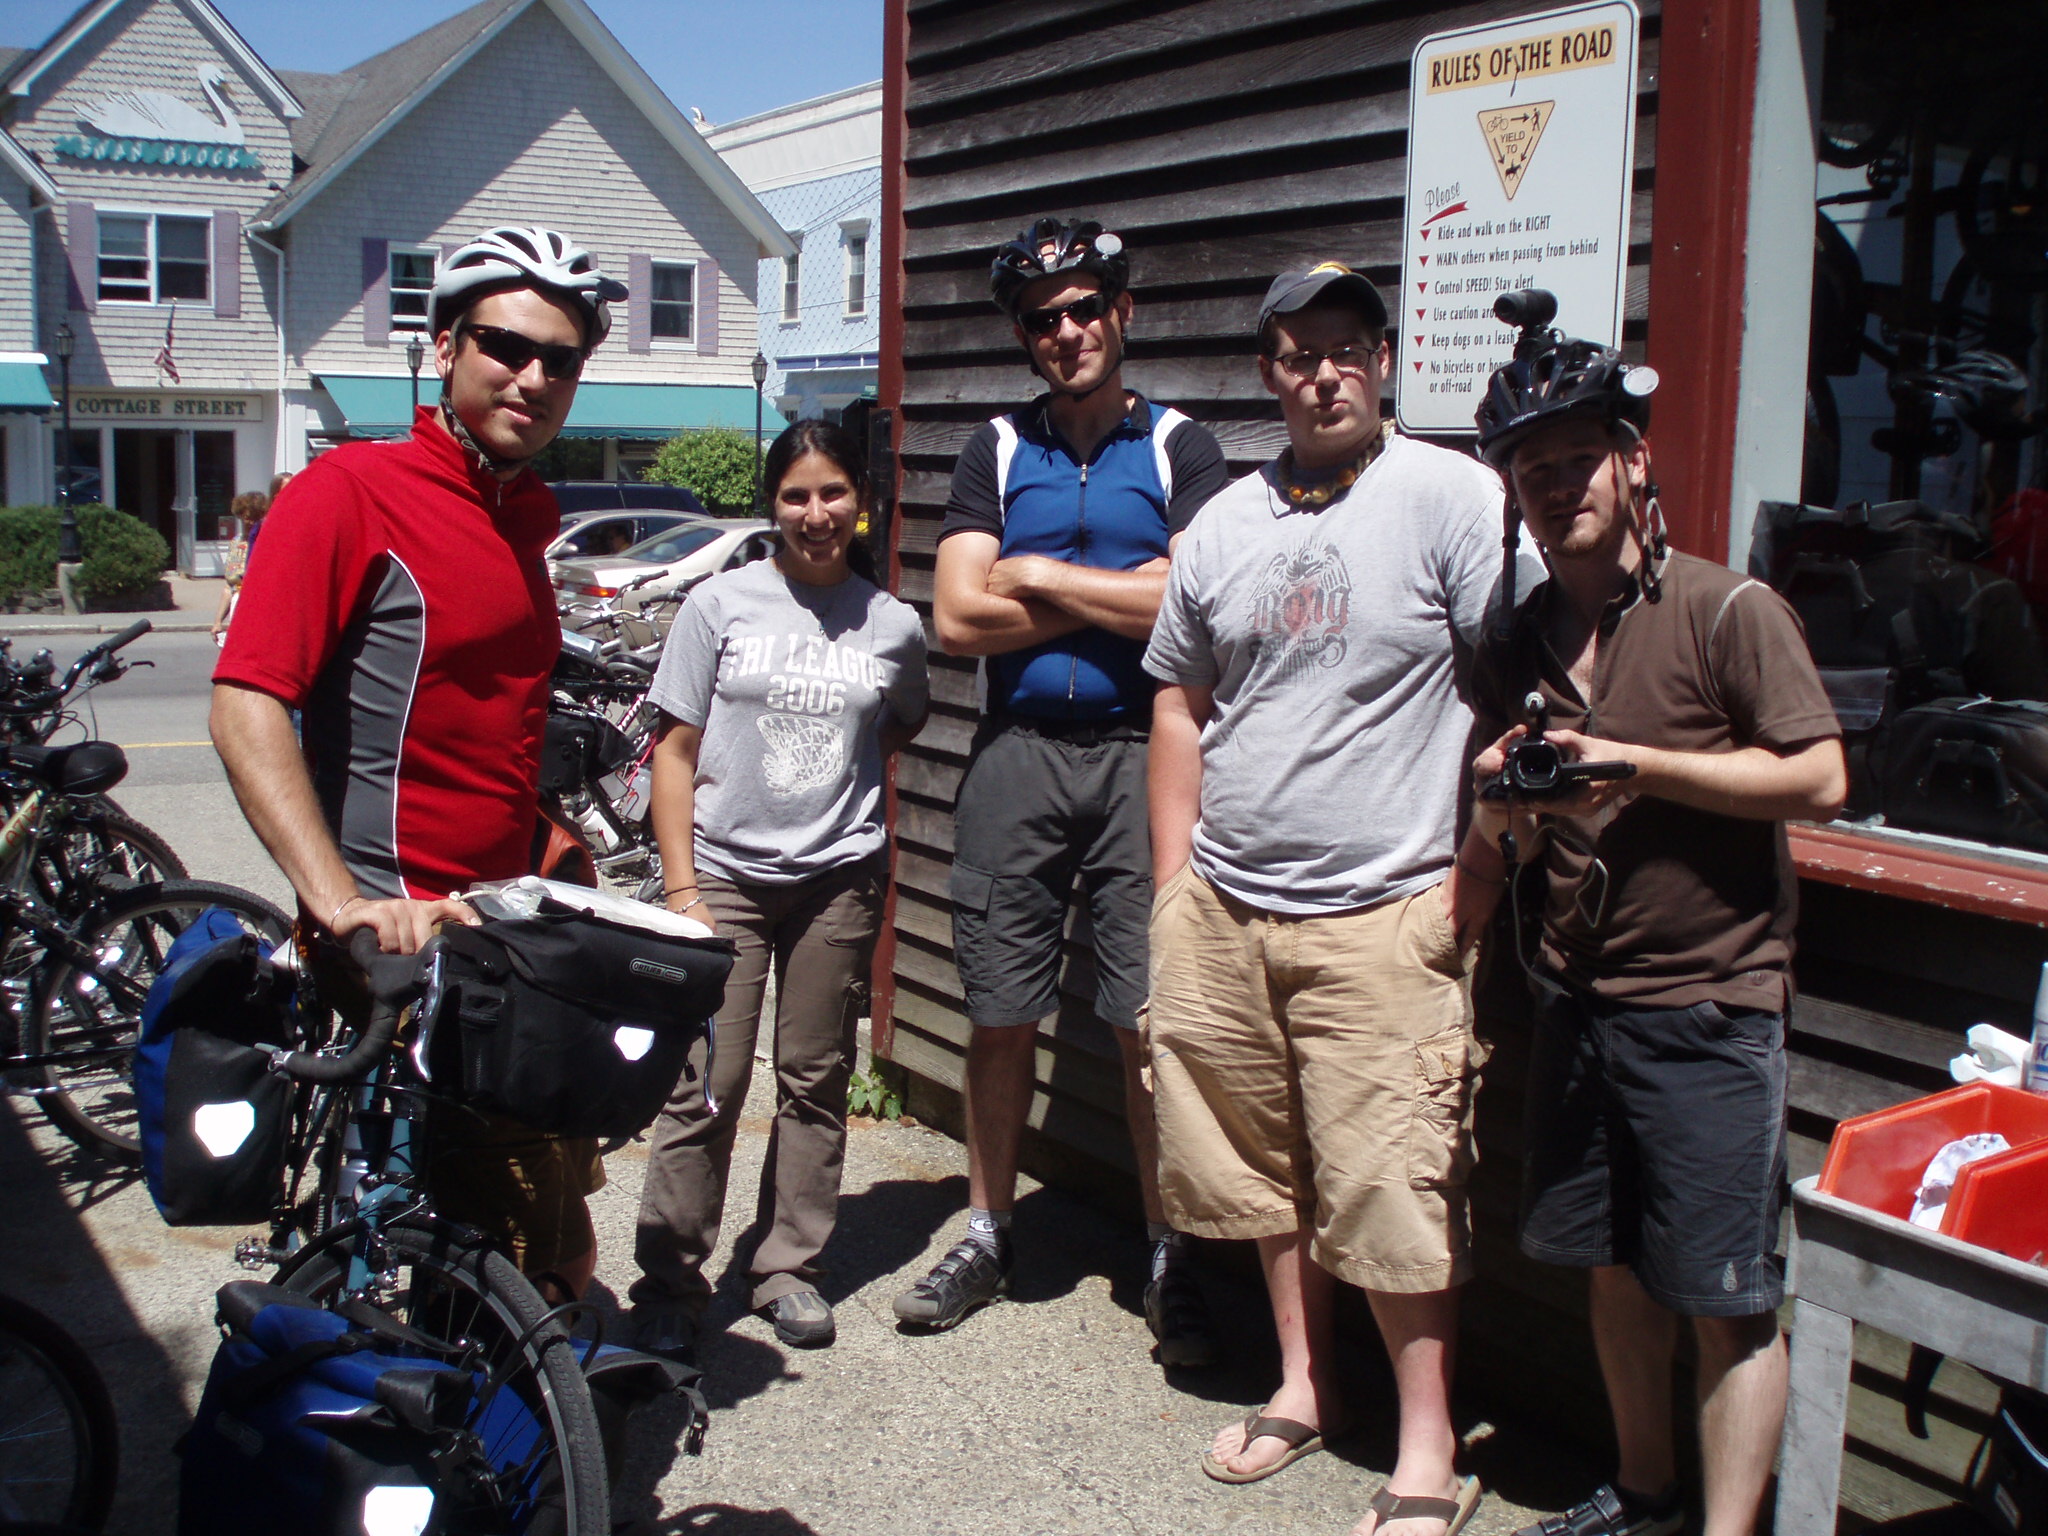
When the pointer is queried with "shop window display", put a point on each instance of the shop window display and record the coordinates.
(1918, 556)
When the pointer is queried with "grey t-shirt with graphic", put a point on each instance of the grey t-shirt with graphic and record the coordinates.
(789, 683)
(1330, 770)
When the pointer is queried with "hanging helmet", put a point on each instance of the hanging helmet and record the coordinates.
(1049, 247)
(508, 257)
(1559, 378)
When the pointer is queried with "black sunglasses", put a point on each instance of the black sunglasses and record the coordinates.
(512, 351)
(1043, 322)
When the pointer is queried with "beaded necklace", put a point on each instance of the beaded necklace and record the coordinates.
(1323, 492)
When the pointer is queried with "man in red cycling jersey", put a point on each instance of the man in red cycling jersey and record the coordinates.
(401, 603)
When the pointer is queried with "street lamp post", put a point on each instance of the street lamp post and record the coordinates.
(415, 354)
(68, 550)
(760, 378)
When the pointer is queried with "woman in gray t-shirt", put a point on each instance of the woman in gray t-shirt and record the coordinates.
(783, 687)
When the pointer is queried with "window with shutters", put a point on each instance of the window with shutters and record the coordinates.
(672, 305)
(412, 285)
(154, 258)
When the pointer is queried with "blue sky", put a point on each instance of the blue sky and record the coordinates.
(732, 58)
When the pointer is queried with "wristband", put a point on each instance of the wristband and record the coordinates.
(351, 901)
(676, 890)
(694, 901)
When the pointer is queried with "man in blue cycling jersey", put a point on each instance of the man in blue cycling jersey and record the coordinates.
(1051, 564)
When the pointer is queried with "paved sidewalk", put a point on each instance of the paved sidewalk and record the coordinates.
(1043, 1414)
(194, 601)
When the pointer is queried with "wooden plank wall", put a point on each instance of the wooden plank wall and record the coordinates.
(1226, 140)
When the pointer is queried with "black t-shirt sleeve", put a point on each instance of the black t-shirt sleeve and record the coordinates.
(1198, 472)
(975, 504)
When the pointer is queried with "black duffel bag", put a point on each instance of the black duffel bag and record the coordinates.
(569, 1023)
(1971, 768)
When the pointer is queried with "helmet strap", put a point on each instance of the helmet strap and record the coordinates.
(459, 430)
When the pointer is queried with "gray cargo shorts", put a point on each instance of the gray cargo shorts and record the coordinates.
(1042, 802)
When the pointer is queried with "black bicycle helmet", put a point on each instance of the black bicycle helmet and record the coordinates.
(1557, 378)
(1049, 247)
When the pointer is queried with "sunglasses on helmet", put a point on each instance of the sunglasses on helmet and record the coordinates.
(512, 351)
(1085, 311)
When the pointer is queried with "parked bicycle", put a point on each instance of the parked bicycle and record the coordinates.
(510, 1431)
(59, 1443)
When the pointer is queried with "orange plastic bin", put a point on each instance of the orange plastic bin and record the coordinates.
(1876, 1160)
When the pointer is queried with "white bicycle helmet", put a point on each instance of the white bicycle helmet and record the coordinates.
(509, 257)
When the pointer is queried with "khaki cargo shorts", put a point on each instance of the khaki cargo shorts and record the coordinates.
(1316, 1072)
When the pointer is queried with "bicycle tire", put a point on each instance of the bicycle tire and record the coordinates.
(60, 1446)
(99, 852)
(475, 1292)
(93, 1103)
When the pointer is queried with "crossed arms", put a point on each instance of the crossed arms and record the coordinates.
(984, 605)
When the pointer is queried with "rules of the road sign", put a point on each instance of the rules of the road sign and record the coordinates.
(1521, 145)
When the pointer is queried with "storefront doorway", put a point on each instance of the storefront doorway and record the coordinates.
(150, 483)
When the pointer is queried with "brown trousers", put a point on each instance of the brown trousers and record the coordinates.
(820, 934)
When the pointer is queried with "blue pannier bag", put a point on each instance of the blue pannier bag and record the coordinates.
(313, 1425)
(317, 1423)
(213, 1117)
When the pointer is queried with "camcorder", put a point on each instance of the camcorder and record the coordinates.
(1536, 770)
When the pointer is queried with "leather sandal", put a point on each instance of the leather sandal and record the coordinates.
(1299, 1438)
(1455, 1513)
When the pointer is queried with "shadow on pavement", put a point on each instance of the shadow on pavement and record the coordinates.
(55, 1265)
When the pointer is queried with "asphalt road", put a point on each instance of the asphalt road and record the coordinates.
(175, 784)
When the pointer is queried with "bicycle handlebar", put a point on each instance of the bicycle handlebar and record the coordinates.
(394, 981)
(51, 697)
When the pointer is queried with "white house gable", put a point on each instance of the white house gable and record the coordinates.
(163, 144)
(564, 148)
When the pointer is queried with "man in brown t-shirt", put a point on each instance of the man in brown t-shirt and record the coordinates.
(1655, 1128)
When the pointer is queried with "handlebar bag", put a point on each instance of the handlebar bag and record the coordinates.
(214, 1118)
(313, 1423)
(572, 1024)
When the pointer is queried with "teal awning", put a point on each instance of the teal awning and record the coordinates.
(23, 388)
(382, 407)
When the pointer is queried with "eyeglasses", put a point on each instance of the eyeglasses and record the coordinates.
(512, 351)
(1306, 365)
(1085, 311)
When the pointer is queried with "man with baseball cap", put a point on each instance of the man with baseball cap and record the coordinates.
(1051, 562)
(1311, 1022)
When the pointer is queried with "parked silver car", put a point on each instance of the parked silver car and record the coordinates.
(607, 593)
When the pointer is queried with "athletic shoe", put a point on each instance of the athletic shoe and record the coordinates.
(1607, 1513)
(802, 1319)
(972, 1274)
(1178, 1315)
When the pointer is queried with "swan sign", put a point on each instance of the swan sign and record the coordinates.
(156, 128)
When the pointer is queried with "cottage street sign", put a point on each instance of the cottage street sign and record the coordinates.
(152, 408)
(1521, 142)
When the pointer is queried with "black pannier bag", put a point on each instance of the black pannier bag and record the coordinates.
(1897, 614)
(1970, 768)
(570, 1023)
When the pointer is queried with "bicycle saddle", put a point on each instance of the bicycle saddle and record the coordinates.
(83, 768)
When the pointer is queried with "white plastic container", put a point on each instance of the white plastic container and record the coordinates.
(2037, 1056)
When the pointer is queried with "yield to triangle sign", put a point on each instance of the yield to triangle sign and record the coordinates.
(1512, 134)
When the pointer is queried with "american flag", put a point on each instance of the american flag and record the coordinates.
(165, 363)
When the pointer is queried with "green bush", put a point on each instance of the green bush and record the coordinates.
(124, 557)
(715, 462)
(28, 551)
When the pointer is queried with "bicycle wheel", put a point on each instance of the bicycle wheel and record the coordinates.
(453, 1289)
(59, 1448)
(91, 851)
(97, 1005)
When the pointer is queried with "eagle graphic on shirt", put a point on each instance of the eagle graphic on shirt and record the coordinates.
(1301, 607)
